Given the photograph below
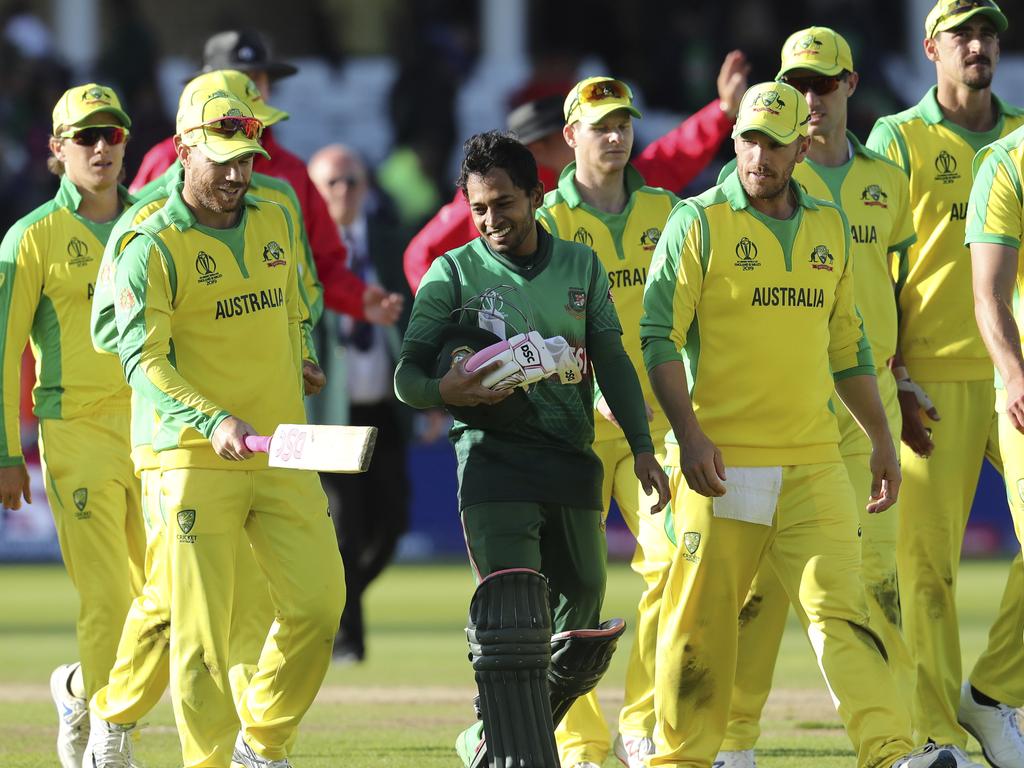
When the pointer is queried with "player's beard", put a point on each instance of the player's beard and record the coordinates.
(212, 197)
(768, 188)
(978, 79)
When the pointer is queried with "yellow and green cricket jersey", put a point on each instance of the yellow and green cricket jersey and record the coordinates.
(210, 324)
(765, 312)
(939, 337)
(49, 261)
(625, 243)
(996, 210)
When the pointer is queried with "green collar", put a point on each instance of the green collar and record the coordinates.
(528, 267)
(858, 148)
(181, 216)
(931, 112)
(69, 197)
(567, 183)
(737, 197)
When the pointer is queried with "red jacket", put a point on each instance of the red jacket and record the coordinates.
(343, 291)
(672, 162)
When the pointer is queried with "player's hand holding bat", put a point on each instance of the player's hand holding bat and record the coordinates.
(15, 484)
(228, 439)
(652, 478)
(459, 387)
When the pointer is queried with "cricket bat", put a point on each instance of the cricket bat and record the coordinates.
(318, 447)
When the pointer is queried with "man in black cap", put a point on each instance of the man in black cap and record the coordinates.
(247, 51)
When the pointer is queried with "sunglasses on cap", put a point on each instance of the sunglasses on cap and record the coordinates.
(956, 7)
(90, 135)
(821, 85)
(595, 93)
(227, 127)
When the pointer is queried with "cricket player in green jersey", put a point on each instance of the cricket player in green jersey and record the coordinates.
(994, 234)
(755, 275)
(215, 269)
(875, 196)
(944, 370)
(601, 200)
(529, 482)
(49, 262)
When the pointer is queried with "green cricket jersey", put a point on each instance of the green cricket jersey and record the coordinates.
(49, 262)
(563, 290)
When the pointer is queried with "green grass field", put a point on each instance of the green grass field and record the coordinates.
(403, 707)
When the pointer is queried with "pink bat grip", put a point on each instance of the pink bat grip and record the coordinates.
(258, 443)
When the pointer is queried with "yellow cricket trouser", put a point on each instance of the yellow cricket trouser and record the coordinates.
(140, 674)
(95, 499)
(583, 734)
(813, 548)
(763, 616)
(934, 505)
(284, 514)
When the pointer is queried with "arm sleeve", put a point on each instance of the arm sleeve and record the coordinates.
(886, 140)
(21, 284)
(674, 285)
(903, 234)
(994, 210)
(142, 283)
(312, 288)
(415, 384)
(849, 353)
(102, 323)
(621, 388)
(342, 290)
(451, 228)
(297, 300)
(674, 160)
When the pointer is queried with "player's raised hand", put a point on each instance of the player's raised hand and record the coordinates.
(381, 307)
(313, 377)
(652, 478)
(701, 463)
(732, 82)
(228, 439)
(459, 387)
(885, 477)
(14, 485)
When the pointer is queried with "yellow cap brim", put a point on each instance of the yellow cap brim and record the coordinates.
(120, 114)
(595, 113)
(952, 22)
(821, 69)
(769, 131)
(222, 150)
(267, 114)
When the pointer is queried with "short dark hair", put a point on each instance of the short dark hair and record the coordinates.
(498, 149)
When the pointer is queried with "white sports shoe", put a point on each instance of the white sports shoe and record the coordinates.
(738, 759)
(633, 751)
(244, 757)
(936, 756)
(110, 745)
(996, 728)
(73, 718)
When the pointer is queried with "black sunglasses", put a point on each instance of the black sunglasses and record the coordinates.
(88, 137)
(822, 85)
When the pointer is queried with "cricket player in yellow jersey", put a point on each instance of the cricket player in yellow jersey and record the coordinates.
(994, 233)
(875, 196)
(943, 369)
(48, 268)
(753, 280)
(213, 276)
(601, 201)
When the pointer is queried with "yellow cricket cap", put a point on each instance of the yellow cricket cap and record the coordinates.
(231, 82)
(80, 102)
(818, 49)
(593, 98)
(222, 128)
(775, 109)
(948, 14)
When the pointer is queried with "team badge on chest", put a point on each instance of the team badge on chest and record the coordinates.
(577, 302)
(821, 258)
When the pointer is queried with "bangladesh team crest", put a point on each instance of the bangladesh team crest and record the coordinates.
(821, 258)
(81, 497)
(577, 302)
(186, 519)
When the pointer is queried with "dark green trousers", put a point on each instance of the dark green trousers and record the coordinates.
(566, 544)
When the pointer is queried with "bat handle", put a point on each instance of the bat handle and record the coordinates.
(257, 443)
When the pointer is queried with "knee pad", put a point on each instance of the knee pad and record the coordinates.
(509, 637)
(579, 659)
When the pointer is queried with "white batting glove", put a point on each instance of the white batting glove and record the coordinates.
(566, 364)
(906, 384)
(524, 359)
